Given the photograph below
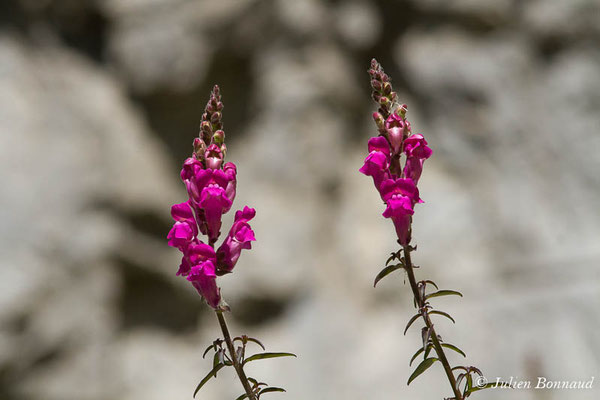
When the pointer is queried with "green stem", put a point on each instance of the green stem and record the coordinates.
(436, 343)
(236, 363)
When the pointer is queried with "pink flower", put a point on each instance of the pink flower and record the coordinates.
(400, 196)
(395, 126)
(417, 151)
(378, 161)
(185, 228)
(202, 272)
(215, 203)
(230, 171)
(240, 237)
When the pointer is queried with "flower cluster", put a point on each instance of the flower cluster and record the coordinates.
(211, 186)
(397, 185)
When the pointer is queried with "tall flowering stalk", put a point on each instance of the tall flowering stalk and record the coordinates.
(211, 187)
(395, 162)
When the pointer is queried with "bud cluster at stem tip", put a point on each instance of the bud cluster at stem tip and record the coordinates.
(396, 144)
(211, 186)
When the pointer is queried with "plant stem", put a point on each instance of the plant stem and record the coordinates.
(236, 363)
(436, 343)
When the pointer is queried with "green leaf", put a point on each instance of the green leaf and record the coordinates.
(392, 257)
(488, 386)
(443, 293)
(385, 272)
(242, 397)
(442, 313)
(262, 356)
(428, 362)
(432, 282)
(212, 346)
(271, 389)
(452, 347)
(410, 322)
(257, 342)
(414, 357)
(213, 372)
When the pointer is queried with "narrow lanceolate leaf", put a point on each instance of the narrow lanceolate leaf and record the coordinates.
(443, 293)
(410, 322)
(271, 389)
(262, 356)
(392, 257)
(469, 383)
(414, 357)
(216, 360)
(488, 386)
(212, 373)
(433, 283)
(212, 346)
(257, 342)
(442, 313)
(428, 362)
(243, 396)
(385, 272)
(452, 347)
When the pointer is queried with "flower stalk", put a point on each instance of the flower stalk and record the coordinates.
(409, 268)
(239, 368)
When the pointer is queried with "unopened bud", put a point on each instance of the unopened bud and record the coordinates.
(219, 137)
(387, 88)
(402, 110)
(384, 101)
(215, 118)
(224, 150)
(376, 85)
(205, 127)
(379, 121)
(199, 146)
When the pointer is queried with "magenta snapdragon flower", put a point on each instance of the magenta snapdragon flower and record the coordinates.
(396, 143)
(211, 187)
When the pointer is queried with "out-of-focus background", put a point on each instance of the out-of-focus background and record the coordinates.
(100, 101)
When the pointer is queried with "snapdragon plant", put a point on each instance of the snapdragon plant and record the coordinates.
(395, 162)
(211, 187)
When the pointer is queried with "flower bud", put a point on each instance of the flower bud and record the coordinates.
(199, 146)
(205, 127)
(376, 85)
(219, 137)
(387, 88)
(215, 118)
(384, 101)
(379, 121)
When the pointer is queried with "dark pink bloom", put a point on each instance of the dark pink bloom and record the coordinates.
(395, 126)
(417, 151)
(202, 272)
(215, 203)
(400, 196)
(185, 228)
(231, 173)
(240, 237)
(378, 161)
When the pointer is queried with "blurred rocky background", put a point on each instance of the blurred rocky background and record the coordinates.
(100, 101)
